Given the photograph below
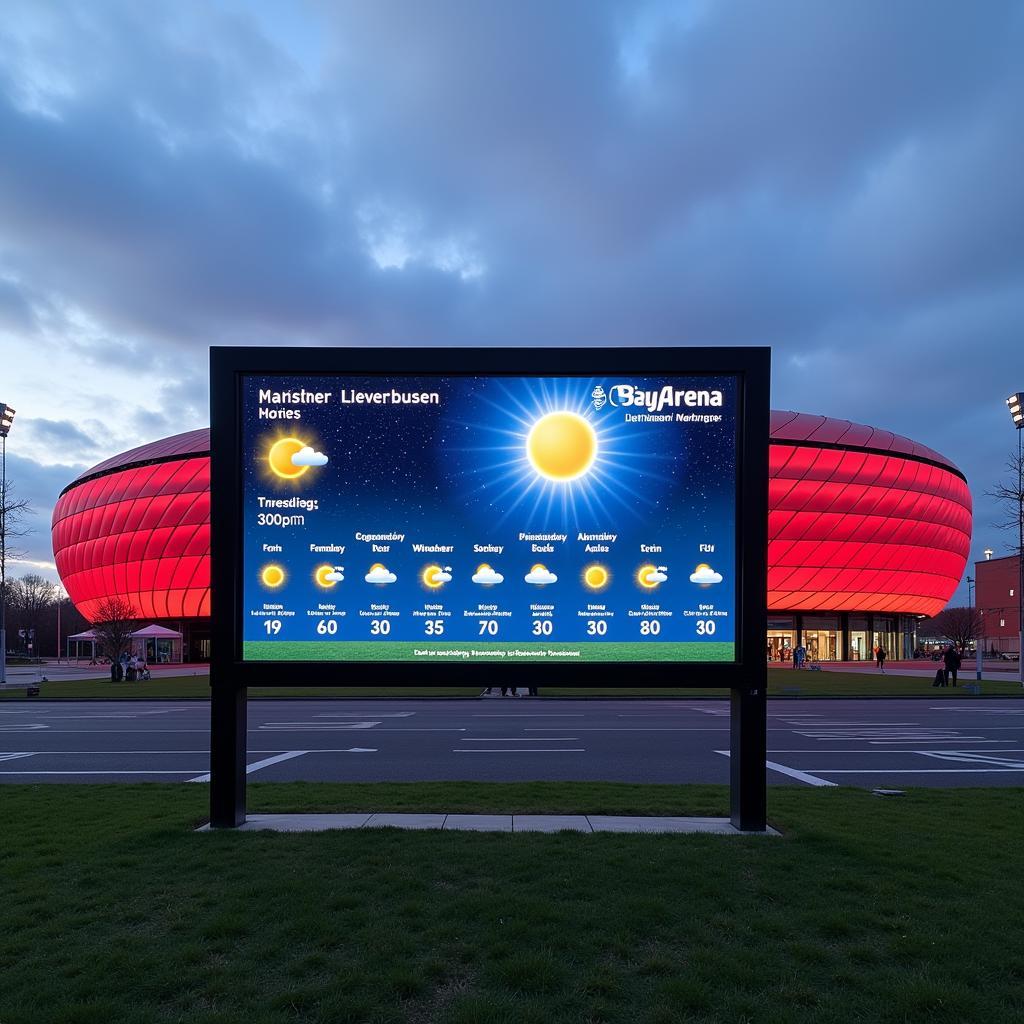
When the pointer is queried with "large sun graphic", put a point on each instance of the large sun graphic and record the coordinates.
(561, 445)
(544, 454)
(279, 458)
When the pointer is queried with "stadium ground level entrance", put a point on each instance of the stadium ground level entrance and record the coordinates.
(840, 636)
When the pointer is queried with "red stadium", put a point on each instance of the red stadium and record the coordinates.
(868, 531)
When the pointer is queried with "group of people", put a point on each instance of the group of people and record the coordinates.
(128, 668)
(531, 691)
(951, 661)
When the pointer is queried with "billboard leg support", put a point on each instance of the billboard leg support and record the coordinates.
(228, 722)
(748, 722)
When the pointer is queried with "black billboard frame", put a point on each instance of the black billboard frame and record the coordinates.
(745, 677)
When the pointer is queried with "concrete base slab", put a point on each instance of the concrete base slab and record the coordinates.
(298, 822)
(490, 823)
(478, 822)
(551, 823)
(406, 821)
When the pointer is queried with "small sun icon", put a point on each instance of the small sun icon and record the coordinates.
(272, 576)
(596, 577)
(279, 458)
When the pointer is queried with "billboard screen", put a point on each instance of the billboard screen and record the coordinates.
(469, 517)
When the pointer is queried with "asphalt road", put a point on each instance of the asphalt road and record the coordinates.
(891, 743)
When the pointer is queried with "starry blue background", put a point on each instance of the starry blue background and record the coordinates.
(456, 473)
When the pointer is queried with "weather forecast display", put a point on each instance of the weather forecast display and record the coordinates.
(489, 518)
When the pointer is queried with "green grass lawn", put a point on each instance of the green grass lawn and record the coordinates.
(872, 910)
(780, 682)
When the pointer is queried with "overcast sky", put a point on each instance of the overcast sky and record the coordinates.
(839, 180)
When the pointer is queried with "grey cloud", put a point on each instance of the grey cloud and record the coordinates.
(840, 181)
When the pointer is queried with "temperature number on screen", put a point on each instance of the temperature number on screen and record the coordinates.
(488, 627)
(433, 627)
(650, 627)
(597, 627)
(705, 627)
(542, 627)
(327, 627)
(272, 626)
(380, 627)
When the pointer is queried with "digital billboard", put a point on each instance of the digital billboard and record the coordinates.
(489, 518)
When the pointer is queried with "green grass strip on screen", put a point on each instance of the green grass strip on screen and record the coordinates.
(520, 654)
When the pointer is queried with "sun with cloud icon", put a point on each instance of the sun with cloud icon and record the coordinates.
(651, 576)
(327, 576)
(379, 573)
(289, 458)
(705, 575)
(486, 576)
(435, 576)
(540, 576)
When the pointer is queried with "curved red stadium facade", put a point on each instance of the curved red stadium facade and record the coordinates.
(866, 528)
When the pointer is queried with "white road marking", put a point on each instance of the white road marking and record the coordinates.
(23, 728)
(257, 765)
(795, 773)
(516, 739)
(972, 757)
(915, 771)
(520, 750)
(540, 714)
(159, 771)
(378, 714)
(316, 726)
(13, 756)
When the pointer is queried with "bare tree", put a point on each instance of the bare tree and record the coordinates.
(1009, 496)
(13, 514)
(28, 599)
(114, 622)
(958, 625)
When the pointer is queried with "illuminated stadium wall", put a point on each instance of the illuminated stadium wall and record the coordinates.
(867, 531)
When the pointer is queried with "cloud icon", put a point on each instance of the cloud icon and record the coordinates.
(444, 576)
(336, 575)
(541, 576)
(308, 457)
(487, 577)
(378, 574)
(658, 576)
(705, 574)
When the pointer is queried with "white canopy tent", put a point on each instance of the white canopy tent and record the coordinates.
(87, 639)
(158, 645)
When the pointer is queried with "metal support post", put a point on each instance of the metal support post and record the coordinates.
(227, 755)
(748, 749)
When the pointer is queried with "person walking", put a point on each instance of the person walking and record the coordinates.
(951, 660)
(880, 657)
(801, 656)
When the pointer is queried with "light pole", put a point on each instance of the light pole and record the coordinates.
(972, 593)
(6, 419)
(1016, 405)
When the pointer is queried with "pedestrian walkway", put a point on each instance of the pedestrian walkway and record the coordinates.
(489, 823)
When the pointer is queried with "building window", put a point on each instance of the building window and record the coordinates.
(1002, 622)
(821, 637)
(781, 638)
(1011, 591)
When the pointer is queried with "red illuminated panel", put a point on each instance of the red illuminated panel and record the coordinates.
(850, 530)
(874, 522)
(142, 533)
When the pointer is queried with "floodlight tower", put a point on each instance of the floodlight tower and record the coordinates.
(1016, 406)
(6, 419)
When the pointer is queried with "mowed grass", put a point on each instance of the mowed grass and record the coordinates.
(781, 682)
(876, 910)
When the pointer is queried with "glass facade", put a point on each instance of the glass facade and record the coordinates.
(841, 637)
